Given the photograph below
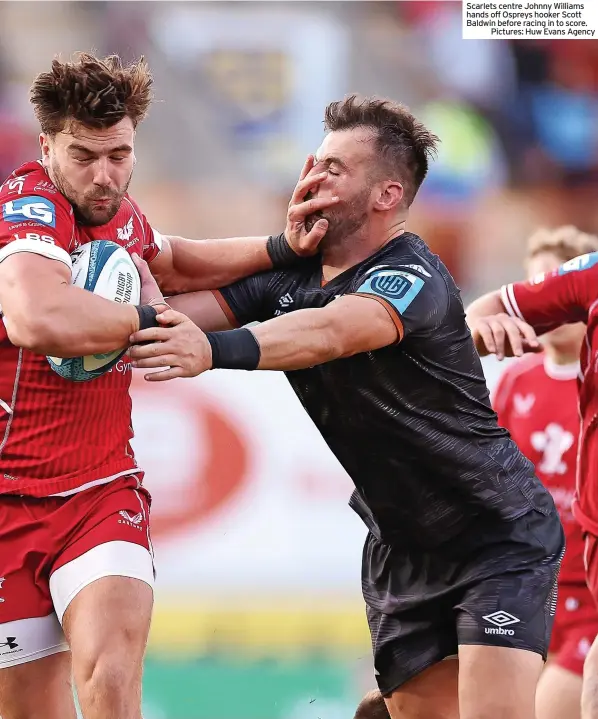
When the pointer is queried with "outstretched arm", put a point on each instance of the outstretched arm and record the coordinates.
(191, 265)
(389, 304)
(345, 327)
(301, 339)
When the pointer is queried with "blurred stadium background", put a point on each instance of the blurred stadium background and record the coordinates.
(258, 607)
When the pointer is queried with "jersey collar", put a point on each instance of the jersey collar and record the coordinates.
(561, 371)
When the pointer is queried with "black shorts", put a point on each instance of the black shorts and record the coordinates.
(496, 586)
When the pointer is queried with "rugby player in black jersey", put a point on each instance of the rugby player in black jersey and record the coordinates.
(464, 544)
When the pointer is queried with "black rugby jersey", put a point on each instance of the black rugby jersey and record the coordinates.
(411, 423)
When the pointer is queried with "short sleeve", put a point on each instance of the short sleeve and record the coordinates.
(40, 223)
(550, 300)
(152, 239)
(153, 243)
(416, 299)
(247, 300)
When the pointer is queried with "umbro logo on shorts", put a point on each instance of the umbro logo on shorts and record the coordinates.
(133, 520)
(500, 620)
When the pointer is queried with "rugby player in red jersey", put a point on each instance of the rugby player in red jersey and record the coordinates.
(76, 569)
(536, 400)
(507, 322)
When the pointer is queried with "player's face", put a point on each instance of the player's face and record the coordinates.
(92, 168)
(567, 338)
(347, 158)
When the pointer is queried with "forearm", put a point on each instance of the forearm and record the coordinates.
(489, 304)
(70, 322)
(485, 306)
(209, 264)
(202, 309)
(298, 340)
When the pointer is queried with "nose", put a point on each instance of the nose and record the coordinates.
(101, 175)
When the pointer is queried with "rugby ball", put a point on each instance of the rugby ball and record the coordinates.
(107, 270)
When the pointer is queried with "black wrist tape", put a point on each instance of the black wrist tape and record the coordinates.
(147, 316)
(281, 253)
(234, 349)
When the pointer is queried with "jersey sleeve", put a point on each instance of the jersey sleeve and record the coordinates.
(152, 239)
(39, 223)
(152, 245)
(416, 300)
(560, 297)
(247, 300)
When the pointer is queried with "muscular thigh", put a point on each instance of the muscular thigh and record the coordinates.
(504, 621)
(102, 585)
(112, 540)
(432, 694)
(497, 682)
(109, 620)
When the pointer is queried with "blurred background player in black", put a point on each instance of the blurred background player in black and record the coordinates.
(464, 542)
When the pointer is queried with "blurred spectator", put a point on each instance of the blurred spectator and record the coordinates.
(558, 110)
(15, 141)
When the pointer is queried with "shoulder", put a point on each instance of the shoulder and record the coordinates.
(29, 197)
(128, 204)
(130, 221)
(581, 268)
(29, 183)
(130, 211)
(406, 253)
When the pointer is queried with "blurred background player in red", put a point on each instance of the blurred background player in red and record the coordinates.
(507, 322)
(536, 400)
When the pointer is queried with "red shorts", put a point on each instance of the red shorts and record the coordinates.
(575, 627)
(52, 547)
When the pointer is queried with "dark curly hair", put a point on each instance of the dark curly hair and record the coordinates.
(95, 92)
(403, 145)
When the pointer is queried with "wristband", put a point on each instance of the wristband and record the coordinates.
(280, 251)
(234, 349)
(147, 316)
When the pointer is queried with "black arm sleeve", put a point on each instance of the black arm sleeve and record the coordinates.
(249, 299)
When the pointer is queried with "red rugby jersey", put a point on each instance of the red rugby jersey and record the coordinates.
(570, 294)
(57, 436)
(536, 401)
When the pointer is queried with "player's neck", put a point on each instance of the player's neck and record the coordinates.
(338, 257)
(562, 355)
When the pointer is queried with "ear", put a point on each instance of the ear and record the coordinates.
(390, 197)
(45, 148)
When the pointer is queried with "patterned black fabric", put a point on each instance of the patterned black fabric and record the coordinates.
(411, 423)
